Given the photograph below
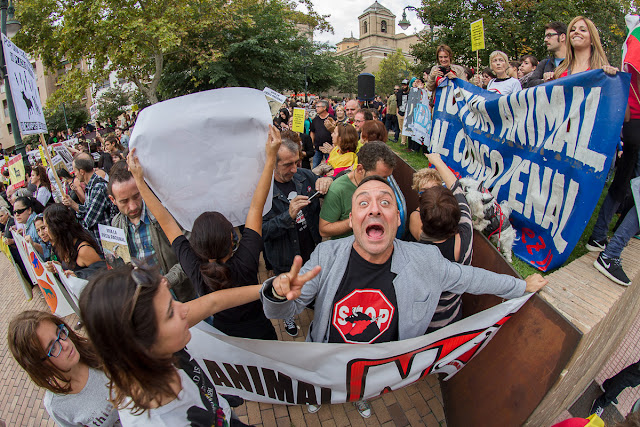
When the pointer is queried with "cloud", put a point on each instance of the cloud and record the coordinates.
(344, 17)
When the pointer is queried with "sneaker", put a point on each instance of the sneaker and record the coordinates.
(363, 407)
(312, 409)
(611, 268)
(291, 327)
(598, 406)
(594, 245)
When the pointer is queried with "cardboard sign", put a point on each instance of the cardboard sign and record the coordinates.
(477, 35)
(114, 245)
(275, 100)
(16, 171)
(61, 150)
(42, 156)
(26, 98)
(298, 120)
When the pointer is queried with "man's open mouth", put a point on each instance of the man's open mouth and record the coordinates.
(375, 231)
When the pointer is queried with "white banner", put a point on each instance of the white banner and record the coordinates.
(22, 80)
(205, 152)
(298, 373)
(51, 289)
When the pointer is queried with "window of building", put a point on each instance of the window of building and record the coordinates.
(365, 27)
(9, 128)
(383, 26)
(5, 107)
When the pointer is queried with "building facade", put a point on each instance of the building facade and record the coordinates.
(377, 38)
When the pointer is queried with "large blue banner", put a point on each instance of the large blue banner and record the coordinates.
(547, 150)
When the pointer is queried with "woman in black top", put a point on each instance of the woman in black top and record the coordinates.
(209, 258)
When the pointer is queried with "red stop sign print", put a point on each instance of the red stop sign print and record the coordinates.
(362, 316)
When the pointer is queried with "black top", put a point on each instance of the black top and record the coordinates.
(448, 248)
(246, 320)
(322, 135)
(307, 245)
(364, 307)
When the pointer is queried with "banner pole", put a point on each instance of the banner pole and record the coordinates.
(55, 174)
(477, 61)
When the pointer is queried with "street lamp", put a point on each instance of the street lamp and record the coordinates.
(404, 22)
(10, 29)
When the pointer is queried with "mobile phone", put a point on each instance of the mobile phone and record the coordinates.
(317, 193)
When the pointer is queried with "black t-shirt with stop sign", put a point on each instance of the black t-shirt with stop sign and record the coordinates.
(365, 305)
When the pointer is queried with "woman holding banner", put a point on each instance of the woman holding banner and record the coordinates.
(66, 366)
(210, 258)
(503, 84)
(141, 333)
(584, 50)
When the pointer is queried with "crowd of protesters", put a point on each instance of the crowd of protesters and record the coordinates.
(332, 180)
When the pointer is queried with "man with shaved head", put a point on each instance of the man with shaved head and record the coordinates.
(97, 208)
(350, 109)
(371, 287)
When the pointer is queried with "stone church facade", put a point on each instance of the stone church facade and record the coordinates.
(377, 38)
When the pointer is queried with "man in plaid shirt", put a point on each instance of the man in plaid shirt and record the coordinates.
(97, 208)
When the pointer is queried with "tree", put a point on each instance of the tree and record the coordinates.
(392, 70)
(513, 26)
(77, 116)
(266, 50)
(351, 65)
(112, 103)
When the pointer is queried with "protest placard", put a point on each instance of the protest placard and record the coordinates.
(336, 373)
(416, 96)
(190, 171)
(42, 156)
(477, 35)
(22, 80)
(57, 299)
(298, 120)
(275, 100)
(114, 245)
(547, 150)
(16, 171)
(61, 150)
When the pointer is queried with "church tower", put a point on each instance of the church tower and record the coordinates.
(377, 21)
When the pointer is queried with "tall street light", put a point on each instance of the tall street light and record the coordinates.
(10, 28)
(404, 22)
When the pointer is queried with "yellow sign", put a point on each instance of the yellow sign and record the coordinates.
(298, 120)
(16, 171)
(477, 35)
(43, 157)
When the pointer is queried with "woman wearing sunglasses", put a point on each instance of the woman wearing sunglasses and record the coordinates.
(208, 257)
(66, 365)
(142, 333)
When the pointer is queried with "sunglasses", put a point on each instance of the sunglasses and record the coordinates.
(142, 277)
(56, 347)
(20, 211)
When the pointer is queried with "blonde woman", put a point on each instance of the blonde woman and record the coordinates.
(503, 83)
(584, 50)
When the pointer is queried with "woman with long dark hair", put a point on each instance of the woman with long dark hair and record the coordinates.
(40, 179)
(73, 245)
(209, 258)
(141, 334)
(65, 365)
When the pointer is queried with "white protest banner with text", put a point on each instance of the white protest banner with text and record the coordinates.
(26, 98)
(297, 373)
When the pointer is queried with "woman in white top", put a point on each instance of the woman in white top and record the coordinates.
(40, 179)
(141, 333)
(66, 365)
(502, 84)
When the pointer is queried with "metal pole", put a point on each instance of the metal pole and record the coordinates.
(15, 129)
(66, 123)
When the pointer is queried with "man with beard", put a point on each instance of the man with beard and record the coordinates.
(555, 35)
(373, 277)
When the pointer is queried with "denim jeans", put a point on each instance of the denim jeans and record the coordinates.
(607, 210)
(317, 158)
(624, 233)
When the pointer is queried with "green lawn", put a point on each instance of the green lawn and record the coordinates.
(419, 161)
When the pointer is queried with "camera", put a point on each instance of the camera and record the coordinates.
(444, 70)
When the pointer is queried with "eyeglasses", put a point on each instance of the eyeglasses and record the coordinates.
(549, 35)
(56, 347)
(20, 211)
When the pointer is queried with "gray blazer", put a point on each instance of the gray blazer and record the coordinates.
(422, 274)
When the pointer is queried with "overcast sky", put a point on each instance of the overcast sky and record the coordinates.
(344, 16)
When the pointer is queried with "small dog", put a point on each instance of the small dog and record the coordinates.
(489, 216)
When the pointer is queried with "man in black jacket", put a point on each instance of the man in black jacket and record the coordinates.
(555, 35)
(291, 226)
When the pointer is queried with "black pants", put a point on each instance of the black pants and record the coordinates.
(392, 125)
(628, 377)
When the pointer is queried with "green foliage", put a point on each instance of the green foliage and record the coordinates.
(351, 65)
(112, 103)
(513, 26)
(392, 70)
(77, 116)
